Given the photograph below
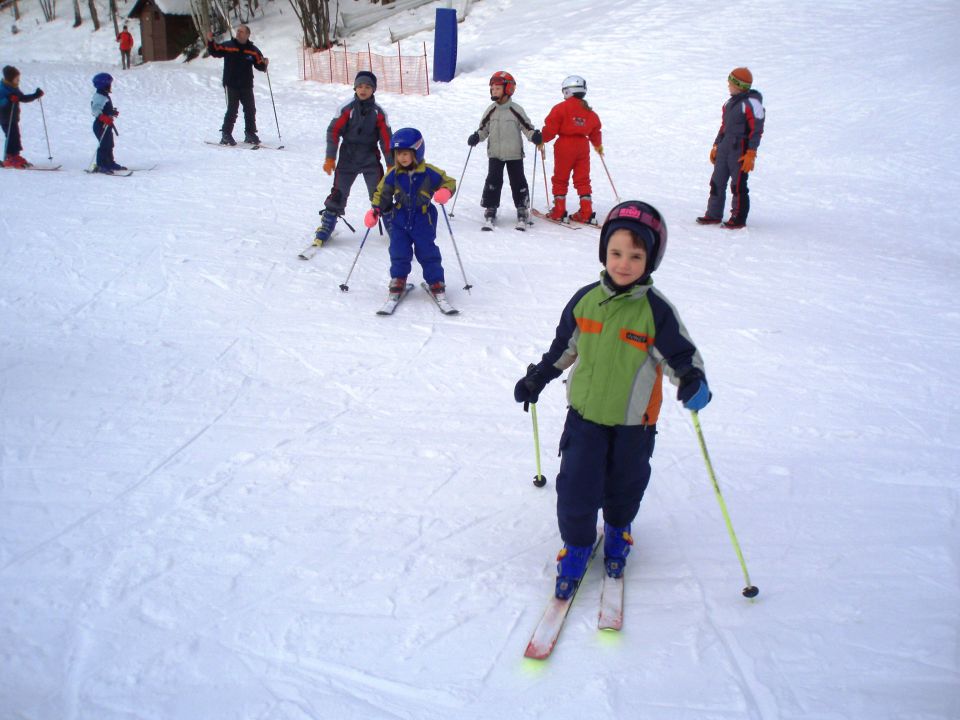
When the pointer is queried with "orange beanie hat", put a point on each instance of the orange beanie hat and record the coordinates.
(741, 77)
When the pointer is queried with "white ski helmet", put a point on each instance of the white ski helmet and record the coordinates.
(573, 84)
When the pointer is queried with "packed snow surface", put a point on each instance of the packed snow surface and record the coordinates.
(229, 490)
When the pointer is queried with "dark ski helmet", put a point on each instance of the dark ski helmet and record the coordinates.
(504, 79)
(408, 139)
(643, 219)
(102, 81)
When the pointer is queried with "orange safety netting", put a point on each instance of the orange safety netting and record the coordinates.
(407, 74)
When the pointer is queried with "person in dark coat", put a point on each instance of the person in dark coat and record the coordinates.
(734, 151)
(240, 57)
(10, 98)
(361, 131)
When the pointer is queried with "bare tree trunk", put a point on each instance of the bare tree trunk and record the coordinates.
(77, 19)
(314, 17)
(93, 14)
(16, 9)
(113, 16)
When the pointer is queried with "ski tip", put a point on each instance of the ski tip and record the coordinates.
(537, 652)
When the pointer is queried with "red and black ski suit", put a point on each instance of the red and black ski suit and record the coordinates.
(576, 127)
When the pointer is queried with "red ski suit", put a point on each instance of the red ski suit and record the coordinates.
(576, 127)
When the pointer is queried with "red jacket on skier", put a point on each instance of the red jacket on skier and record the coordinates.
(576, 127)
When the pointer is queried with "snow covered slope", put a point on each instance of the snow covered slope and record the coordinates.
(228, 490)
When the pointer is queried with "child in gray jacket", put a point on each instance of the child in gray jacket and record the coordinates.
(502, 125)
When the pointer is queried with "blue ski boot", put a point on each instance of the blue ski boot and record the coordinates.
(616, 547)
(328, 221)
(571, 565)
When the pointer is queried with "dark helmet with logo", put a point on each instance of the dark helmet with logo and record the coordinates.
(102, 81)
(645, 221)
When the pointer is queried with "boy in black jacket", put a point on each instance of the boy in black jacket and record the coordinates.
(358, 128)
(10, 98)
(240, 57)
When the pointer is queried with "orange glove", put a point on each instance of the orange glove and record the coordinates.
(371, 217)
(747, 160)
(599, 149)
(713, 155)
(442, 196)
(328, 165)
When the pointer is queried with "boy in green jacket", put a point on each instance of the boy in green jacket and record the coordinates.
(619, 335)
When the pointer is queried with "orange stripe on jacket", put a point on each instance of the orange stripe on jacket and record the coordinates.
(587, 325)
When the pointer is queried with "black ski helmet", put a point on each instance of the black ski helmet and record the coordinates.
(643, 219)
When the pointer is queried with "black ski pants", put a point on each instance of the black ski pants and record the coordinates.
(235, 98)
(494, 184)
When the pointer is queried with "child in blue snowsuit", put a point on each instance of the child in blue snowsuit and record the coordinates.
(620, 336)
(103, 115)
(403, 199)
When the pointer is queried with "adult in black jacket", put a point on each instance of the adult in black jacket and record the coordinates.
(240, 57)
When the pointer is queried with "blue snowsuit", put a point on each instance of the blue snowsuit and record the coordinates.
(100, 104)
(404, 197)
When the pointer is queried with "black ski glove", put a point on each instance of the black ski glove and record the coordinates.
(536, 138)
(473, 140)
(529, 387)
(694, 392)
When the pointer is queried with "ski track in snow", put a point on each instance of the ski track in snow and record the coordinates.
(229, 490)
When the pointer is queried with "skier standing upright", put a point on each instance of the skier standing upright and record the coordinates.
(503, 124)
(358, 128)
(10, 98)
(618, 336)
(576, 127)
(734, 151)
(240, 57)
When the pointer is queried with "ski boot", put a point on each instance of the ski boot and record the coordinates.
(397, 286)
(438, 290)
(226, 138)
(559, 210)
(571, 565)
(251, 137)
(734, 224)
(616, 546)
(707, 220)
(523, 218)
(16, 161)
(114, 166)
(585, 214)
(328, 221)
(489, 218)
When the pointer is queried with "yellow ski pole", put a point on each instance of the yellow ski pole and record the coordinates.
(750, 590)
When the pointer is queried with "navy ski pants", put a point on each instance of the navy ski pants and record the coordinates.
(602, 467)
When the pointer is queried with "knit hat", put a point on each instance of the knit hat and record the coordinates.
(741, 77)
(10, 72)
(365, 77)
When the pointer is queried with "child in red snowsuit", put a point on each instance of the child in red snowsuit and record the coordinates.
(576, 128)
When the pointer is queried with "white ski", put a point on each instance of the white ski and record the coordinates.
(115, 173)
(611, 604)
(545, 636)
(391, 304)
(310, 250)
(34, 166)
(441, 300)
(246, 145)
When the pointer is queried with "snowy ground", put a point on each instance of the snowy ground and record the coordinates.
(228, 490)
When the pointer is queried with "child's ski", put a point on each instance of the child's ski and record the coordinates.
(145, 168)
(310, 250)
(611, 603)
(36, 167)
(391, 304)
(441, 300)
(545, 636)
(562, 223)
(115, 173)
(245, 145)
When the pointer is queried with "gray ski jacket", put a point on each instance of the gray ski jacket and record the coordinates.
(502, 125)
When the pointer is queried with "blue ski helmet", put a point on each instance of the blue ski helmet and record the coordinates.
(644, 220)
(408, 139)
(102, 81)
